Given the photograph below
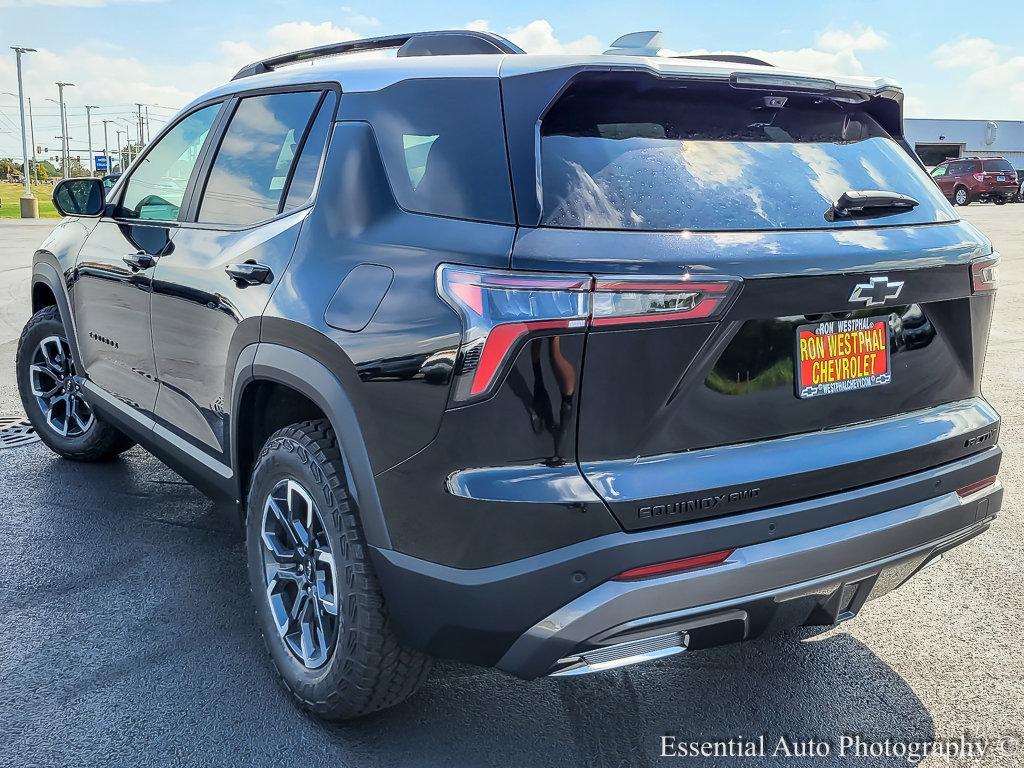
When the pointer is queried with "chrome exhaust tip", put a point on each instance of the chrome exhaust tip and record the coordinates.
(621, 655)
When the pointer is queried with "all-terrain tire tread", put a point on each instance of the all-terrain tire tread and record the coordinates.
(379, 671)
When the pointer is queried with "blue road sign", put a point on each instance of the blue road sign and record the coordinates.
(101, 162)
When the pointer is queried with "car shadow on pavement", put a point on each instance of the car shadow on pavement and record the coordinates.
(819, 689)
(129, 639)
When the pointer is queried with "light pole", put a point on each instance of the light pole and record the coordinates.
(88, 130)
(64, 124)
(120, 156)
(31, 134)
(29, 205)
(106, 150)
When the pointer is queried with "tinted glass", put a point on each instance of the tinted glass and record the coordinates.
(308, 164)
(998, 165)
(443, 144)
(940, 171)
(635, 152)
(251, 168)
(156, 187)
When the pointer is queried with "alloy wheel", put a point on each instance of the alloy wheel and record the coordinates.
(57, 391)
(961, 197)
(301, 580)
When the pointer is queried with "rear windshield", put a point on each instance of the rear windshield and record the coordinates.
(999, 165)
(637, 152)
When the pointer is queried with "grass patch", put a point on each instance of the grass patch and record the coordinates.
(10, 194)
(778, 375)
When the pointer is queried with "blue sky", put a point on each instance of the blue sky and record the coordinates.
(951, 62)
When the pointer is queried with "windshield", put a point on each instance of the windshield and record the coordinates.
(639, 153)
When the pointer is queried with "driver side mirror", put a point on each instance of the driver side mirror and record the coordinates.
(79, 197)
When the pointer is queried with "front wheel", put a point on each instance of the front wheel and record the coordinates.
(317, 600)
(52, 398)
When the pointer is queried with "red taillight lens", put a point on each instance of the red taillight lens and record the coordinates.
(499, 309)
(976, 487)
(979, 177)
(674, 566)
(984, 274)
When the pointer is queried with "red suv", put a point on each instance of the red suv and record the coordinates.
(973, 178)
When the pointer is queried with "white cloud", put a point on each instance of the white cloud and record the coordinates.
(539, 37)
(856, 38)
(966, 53)
(992, 76)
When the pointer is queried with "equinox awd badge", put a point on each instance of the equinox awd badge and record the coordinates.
(876, 291)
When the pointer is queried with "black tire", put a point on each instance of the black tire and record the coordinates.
(1001, 200)
(961, 196)
(367, 668)
(99, 441)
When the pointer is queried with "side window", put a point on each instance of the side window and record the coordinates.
(308, 164)
(443, 145)
(250, 172)
(156, 187)
(940, 171)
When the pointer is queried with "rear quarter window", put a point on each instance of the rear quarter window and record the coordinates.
(998, 166)
(443, 145)
(635, 152)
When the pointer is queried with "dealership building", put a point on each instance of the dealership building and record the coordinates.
(938, 140)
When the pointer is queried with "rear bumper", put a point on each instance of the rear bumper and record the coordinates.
(513, 615)
(818, 578)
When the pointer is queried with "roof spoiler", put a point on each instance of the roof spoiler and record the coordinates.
(439, 43)
(649, 43)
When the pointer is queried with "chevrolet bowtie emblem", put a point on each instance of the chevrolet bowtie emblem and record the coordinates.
(876, 291)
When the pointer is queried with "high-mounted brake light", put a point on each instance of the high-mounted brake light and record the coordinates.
(500, 309)
(984, 274)
(674, 566)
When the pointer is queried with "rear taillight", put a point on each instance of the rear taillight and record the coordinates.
(979, 177)
(501, 309)
(984, 274)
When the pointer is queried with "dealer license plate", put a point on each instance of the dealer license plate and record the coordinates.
(834, 356)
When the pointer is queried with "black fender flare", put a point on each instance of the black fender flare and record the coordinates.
(306, 375)
(43, 272)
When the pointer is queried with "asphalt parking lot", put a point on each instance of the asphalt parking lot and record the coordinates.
(127, 636)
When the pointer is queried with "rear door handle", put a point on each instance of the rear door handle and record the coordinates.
(249, 273)
(139, 260)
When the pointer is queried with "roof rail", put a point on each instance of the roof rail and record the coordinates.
(729, 58)
(438, 43)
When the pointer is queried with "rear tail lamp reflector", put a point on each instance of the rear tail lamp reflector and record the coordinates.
(499, 309)
(984, 274)
(674, 566)
(976, 487)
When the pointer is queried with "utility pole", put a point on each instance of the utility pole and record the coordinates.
(64, 127)
(29, 205)
(149, 136)
(88, 130)
(120, 157)
(32, 135)
(140, 124)
(106, 146)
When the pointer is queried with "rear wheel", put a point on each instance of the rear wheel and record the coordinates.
(961, 196)
(317, 600)
(52, 398)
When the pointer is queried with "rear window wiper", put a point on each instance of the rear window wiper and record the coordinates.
(868, 203)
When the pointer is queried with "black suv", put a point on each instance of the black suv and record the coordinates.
(551, 364)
